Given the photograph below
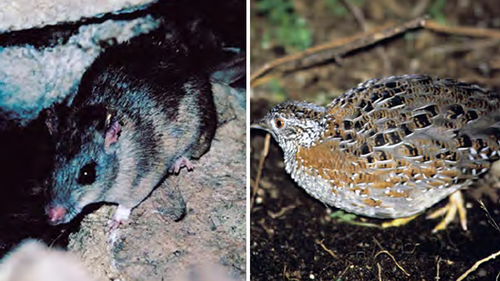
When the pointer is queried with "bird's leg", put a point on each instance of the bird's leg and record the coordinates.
(456, 203)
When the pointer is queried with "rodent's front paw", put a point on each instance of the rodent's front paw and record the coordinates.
(114, 224)
(120, 217)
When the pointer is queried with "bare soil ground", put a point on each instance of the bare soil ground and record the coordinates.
(293, 236)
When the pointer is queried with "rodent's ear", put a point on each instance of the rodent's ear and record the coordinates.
(93, 115)
(111, 136)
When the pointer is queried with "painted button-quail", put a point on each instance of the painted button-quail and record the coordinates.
(391, 147)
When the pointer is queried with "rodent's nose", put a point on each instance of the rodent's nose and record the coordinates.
(55, 214)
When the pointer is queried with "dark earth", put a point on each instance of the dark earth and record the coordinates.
(293, 236)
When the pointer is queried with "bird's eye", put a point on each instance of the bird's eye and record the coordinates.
(87, 174)
(279, 123)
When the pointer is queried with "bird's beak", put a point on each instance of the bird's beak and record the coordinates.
(260, 124)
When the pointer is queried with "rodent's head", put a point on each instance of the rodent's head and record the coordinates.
(293, 123)
(84, 163)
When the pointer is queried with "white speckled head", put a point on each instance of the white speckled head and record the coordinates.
(294, 124)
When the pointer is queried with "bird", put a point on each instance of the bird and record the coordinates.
(391, 147)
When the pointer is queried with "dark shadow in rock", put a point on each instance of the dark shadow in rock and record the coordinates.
(25, 163)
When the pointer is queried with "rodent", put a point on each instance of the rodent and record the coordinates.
(142, 109)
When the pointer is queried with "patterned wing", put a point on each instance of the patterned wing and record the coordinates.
(403, 143)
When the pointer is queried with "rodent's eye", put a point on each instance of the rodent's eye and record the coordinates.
(87, 174)
(279, 123)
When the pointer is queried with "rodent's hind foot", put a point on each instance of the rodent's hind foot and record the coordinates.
(120, 217)
(179, 163)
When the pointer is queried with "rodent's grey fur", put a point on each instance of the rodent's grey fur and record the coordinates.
(161, 104)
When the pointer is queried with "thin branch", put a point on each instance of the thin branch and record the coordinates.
(462, 31)
(337, 49)
(333, 50)
(392, 257)
(320, 242)
(265, 151)
(477, 264)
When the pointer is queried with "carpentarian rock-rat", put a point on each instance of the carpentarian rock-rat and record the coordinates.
(143, 109)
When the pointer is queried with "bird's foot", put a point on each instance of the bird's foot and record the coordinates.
(455, 204)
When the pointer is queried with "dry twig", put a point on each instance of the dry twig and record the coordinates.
(488, 258)
(379, 271)
(491, 221)
(394, 259)
(343, 272)
(339, 48)
(477, 264)
(438, 260)
(462, 31)
(320, 242)
(281, 212)
(332, 51)
(265, 151)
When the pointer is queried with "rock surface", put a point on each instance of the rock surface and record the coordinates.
(19, 14)
(32, 79)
